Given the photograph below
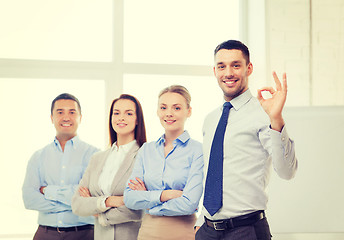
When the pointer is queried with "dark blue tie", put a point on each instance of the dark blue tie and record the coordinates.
(213, 185)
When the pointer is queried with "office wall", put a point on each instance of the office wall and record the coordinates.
(305, 38)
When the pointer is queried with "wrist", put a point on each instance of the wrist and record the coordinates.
(277, 123)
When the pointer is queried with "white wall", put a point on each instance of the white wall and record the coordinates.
(305, 38)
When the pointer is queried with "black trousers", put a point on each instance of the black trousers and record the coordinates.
(46, 234)
(257, 231)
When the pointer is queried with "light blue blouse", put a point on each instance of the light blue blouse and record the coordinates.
(181, 169)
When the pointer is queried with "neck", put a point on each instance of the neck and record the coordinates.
(122, 140)
(63, 140)
(170, 136)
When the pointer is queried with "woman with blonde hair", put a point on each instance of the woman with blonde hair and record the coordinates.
(101, 188)
(167, 178)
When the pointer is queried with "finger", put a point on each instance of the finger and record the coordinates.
(140, 181)
(277, 81)
(259, 95)
(134, 182)
(285, 86)
(131, 186)
(271, 90)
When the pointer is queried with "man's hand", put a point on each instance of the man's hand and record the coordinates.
(273, 106)
(41, 189)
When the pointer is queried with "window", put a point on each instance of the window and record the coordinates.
(69, 30)
(177, 32)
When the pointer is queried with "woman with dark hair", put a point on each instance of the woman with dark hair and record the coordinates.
(101, 188)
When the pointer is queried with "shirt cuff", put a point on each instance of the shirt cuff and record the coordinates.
(101, 206)
(50, 192)
(200, 220)
(280, 137)
(102, 219)
(155, 197)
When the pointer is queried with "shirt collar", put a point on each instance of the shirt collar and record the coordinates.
(183, 138)
(241, 100)
(125, 147)
(74, 142)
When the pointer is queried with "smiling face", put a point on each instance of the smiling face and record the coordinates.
(124, 119)
(173, 112)
(232, 71)
(66, 118)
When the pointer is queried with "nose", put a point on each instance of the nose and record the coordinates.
(168, 112)
(229, 72)
(65, 117)
(121, 117)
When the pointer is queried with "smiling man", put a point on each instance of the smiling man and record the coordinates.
(241, 140)
(53, 174)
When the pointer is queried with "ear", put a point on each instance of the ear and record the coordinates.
(51, 117)
(214, 69)
(249, 69)
(189, 111)
(80, 117)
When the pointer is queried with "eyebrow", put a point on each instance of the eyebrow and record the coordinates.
(233, 62)
(62, 109)
(175, 104)
(127, 110)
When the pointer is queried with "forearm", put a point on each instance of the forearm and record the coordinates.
(283, 154)
(175, 207)
(119, 215)
(34, 200)
(60, 194)
(88, 206)
(138, 200)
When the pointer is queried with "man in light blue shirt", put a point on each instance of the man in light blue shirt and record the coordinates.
(53, 174)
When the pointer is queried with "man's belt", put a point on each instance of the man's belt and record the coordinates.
(68, 229)
(244, 220)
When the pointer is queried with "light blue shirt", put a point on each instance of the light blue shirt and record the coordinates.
(181, 169)
(60, 172)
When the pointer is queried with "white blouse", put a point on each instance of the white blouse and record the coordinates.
(112, 164)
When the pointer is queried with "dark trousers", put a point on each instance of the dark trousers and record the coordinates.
(257, 231)
(45, 234)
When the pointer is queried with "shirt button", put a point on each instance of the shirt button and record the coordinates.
(62, 181)
(63, 167)
(283, 138)
(60, 222)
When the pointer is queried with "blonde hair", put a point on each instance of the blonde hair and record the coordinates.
(180, 90)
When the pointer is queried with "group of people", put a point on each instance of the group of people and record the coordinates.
(140, 190)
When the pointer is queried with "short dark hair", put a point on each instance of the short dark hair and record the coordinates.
(234, 44)
(65, 96)
(140, 130)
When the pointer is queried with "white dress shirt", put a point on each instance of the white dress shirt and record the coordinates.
(250, 146)
(111, 166)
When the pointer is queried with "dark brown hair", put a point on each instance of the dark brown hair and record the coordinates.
(65, 96)
(234, 44)
(140, 130)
